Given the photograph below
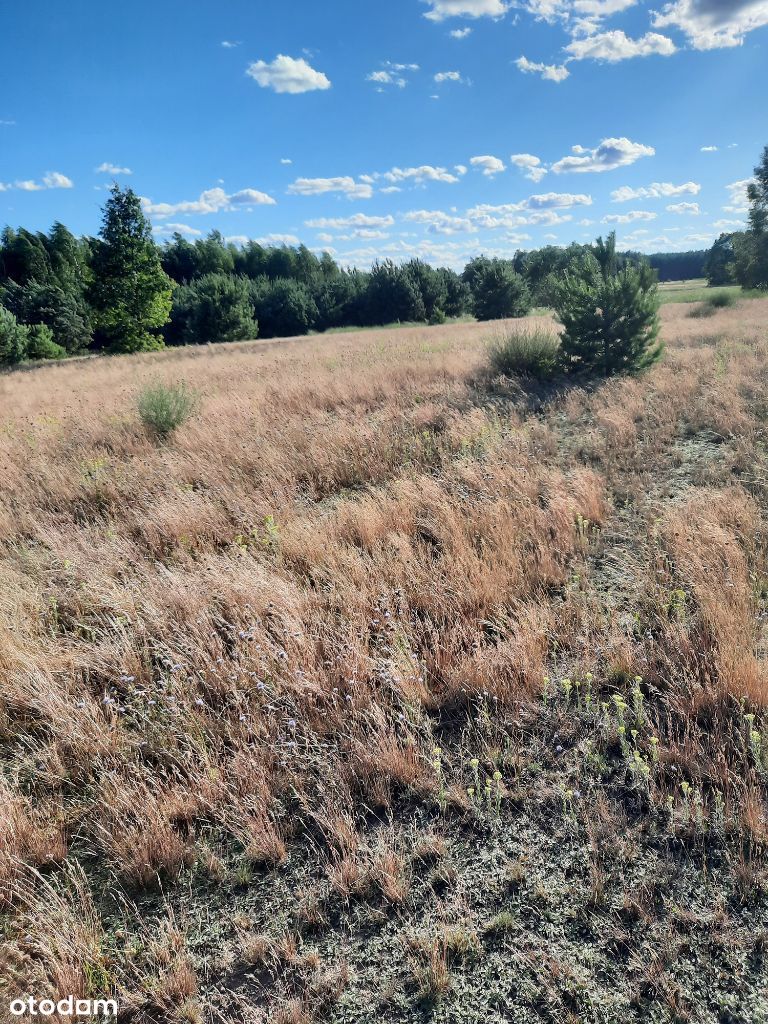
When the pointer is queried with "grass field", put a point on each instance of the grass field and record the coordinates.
(384, 690)
(697, 291)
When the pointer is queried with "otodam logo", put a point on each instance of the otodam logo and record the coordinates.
(66, 1007)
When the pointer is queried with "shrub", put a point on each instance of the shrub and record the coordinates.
(41, 344)
(499, 292)
(14, 338)
(284, 308)
(532, 353)
(215, 307)
(722, 300)
(611, 320)
(163, 408)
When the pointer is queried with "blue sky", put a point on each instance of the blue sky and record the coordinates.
(435, 128)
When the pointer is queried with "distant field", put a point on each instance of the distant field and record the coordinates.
(384, 688)
(696, 290)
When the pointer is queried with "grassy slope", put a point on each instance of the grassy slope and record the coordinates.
(440, 545)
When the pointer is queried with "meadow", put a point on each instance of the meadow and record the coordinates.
(385, 688)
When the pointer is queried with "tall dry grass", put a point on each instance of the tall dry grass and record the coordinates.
(271, 622)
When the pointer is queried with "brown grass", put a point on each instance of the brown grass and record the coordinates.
(269, 624)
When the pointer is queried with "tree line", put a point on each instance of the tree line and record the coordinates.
(741, 257)
(122, 292)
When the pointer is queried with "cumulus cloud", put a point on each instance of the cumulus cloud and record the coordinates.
(617, 46)
(657, 190)
(684, 208)
(319, 186)
(460, 33)
(448, 76)
(357, 220)
(51, 179)
(549, 72)
(286, 160)
(709, 149)
(442, 9)
(539, 209)
(489, 165)
(107, 168)
(229, 44)
(173, 229)
(287, 75)
(417, 175)
(277, 240)
(711, 24)
(386, 78)
(439, 222)
(738, 201)
(213, 200)
(628, 218)
(530, 165)
(610, 154)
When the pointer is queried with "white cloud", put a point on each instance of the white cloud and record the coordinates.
(628, 218)
(228, 44)
(737, 196)
(319, 186)
(709, 149)
(107, 168)
(657, 190)
(286, 160)
(711, 24)
(684, 208)
(357, 220)
(610, 154)
(439, 222)
(580, 17)
(181, 229)
(7, 124)
(442, 9)
(724, 225)
(530, 165)
(549, 72)
(448, 76)
(556, 200)
(287, 75)
(417, 174)
(277, 240)
(386, 78)
(617, 46)
(51, 179)
(460, 33)
(213, 200)
(490, 165)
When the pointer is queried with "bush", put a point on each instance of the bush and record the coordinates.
(532, 353)
(14, 338)
(215, 307)
(163, 408)
(499, 292)
(41, 344)
(720, 300)
(284, 308)
(611, 322)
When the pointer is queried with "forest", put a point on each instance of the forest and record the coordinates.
(122, 292)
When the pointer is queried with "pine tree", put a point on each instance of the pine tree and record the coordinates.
(131, 292)
(610, 317)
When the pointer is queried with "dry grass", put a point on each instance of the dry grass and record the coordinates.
(266, 627)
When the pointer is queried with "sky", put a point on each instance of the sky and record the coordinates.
(388, 128)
